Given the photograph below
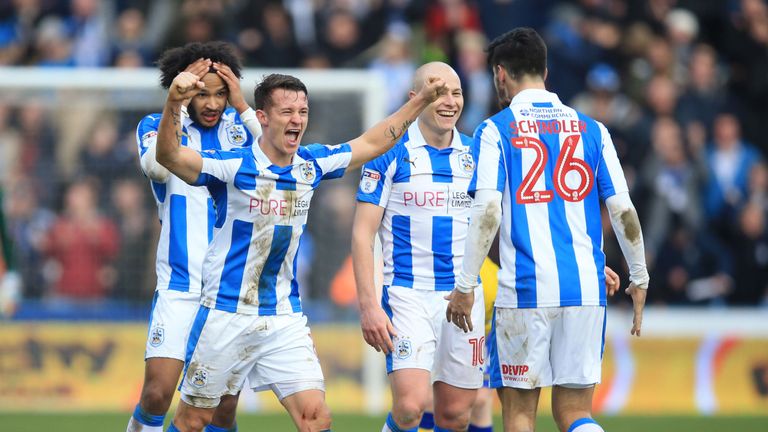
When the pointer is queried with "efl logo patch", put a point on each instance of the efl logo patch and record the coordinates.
(369, 181)
(403, 349)
(236, 134)
(467, 162)
(199, 378)
(307, 171)
(157, 336)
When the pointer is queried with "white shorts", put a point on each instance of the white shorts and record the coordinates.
(426, 340)
(273, 352)
(169, 322)
(533, 348)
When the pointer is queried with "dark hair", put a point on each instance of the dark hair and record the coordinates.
(520, 51)
(262, 94)
(175, 60)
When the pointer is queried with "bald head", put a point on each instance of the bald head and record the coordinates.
(438, 69)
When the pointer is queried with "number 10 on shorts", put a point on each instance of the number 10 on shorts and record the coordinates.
(477, 350)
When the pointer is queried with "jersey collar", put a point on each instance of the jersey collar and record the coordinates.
(528, 96)
(264, 161)
(416, 138)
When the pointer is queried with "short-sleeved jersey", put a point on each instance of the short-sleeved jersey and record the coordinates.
(261, 211)
(426, 216)
(186, 212)
(552, 165)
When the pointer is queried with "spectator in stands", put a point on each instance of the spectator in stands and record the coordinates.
(477, 81)
(729, 162)
(134, 280)
(704, 95)
(751, 257)
(82, 245)
(395, 65)
(28, 224)
(89, 27)
(103, 159)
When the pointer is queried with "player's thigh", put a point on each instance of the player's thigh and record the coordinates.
(578, 339)
(459, 355)
(411, 389)
(288, 362)
(519, 348)
(223, 348)
(571, 404)
(413, 323)
(169, 323)
(162, 374)
(518, 408)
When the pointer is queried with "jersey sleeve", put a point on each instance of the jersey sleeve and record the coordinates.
(219, 167)
(146, 141)
(332, 160)
(489, 164)
(376, 179)
(610, 175)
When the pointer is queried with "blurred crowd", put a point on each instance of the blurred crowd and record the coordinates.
(681, 84)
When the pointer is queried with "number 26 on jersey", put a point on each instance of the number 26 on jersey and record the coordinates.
(566, 163)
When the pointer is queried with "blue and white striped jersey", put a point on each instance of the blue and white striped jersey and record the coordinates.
(261, 211)
(546, 158)
(426, 216)
(186, 212)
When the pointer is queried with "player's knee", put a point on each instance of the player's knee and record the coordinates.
(407, 413)
(155, 399)
(453, 417)
(192, 422)
(224, 415)
(317, 415)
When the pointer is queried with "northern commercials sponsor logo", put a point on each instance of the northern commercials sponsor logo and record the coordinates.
(370, 180)
(403, 349)
(148, 135)
(236, 134)
(157, 336)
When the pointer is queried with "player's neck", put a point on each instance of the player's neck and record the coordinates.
(436, 138)
(274, 156)
(527, 82)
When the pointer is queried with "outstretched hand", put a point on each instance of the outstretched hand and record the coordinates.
(433, 88)
(638, 303)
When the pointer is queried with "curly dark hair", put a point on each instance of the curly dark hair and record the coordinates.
(262, 94)
(173, 61)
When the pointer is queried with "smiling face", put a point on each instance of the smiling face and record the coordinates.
(284, 121)
(441, 115)
(211, 101)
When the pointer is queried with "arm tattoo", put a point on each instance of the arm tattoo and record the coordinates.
(175, 118)
(394, 133)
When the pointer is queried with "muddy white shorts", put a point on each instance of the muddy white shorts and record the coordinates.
(531, 348)
(224, 348)
(426, 340)
(169, 322)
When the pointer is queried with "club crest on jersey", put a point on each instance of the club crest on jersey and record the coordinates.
(467, 162)
(307, 171)
(403, 349)
(199, 378)
(369, 181)
(236, 134)
(157, 336)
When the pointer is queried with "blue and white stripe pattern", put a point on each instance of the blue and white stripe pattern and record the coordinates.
(186, 212)
(551, 232)
(424, 193)
(261, 211)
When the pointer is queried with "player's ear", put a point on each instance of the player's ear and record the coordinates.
(261, 116)
(411, 94)
(546, 72)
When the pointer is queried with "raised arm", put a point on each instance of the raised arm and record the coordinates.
(183, 162)
(376, 326)
(384, 134)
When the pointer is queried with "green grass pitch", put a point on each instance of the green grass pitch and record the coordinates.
(44, 422)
